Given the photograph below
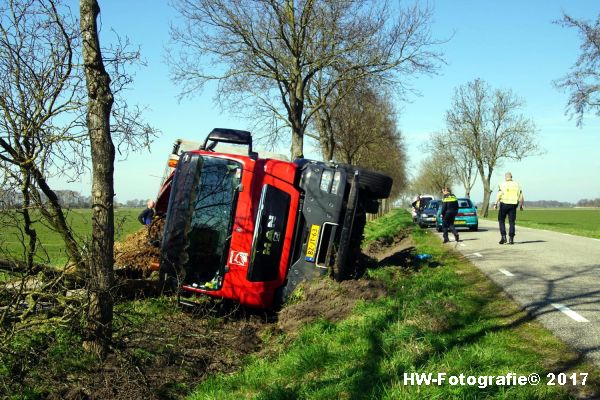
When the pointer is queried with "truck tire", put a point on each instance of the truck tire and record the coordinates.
(374, 184)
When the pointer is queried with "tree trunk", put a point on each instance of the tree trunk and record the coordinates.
(100, 100)
(56, 217)
(297, 144)
(326, 139)
(296, 110)
(487, 192)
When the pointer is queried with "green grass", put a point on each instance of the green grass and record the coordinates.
(53, 247)
(444, 317)
(576, 221)
(386, 226)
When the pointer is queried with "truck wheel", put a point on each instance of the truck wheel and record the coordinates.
(374, 184)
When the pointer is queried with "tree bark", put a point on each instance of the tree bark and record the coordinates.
(56, 217)
(100, 100)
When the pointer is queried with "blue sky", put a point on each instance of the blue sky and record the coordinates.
(509, 44)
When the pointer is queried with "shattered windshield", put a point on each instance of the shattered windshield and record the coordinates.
(212, 215)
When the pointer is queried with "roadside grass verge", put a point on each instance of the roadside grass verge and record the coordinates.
(576, 221)
(387, 226)
(52, 251)
(442, 316)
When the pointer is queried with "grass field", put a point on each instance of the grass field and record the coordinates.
(53, 247)
(576, 221)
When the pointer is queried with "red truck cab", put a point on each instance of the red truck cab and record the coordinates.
(249, 229)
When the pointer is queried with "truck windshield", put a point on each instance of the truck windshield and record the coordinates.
(212, 215)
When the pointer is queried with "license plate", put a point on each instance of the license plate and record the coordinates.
(460, 222)
(311, 248)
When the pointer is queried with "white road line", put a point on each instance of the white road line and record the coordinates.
(505, 272)
(477, 254)
(572, 314)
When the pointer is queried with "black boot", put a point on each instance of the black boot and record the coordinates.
(502, 240)
(511, 240)
(446, 239)
(456, 237)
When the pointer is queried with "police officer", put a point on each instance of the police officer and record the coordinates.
(509, 197)
(448, 213)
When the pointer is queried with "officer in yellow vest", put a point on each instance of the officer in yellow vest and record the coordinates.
(448, 213)
(509, 197)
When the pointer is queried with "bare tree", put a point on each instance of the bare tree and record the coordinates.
(488, 125)
(100, 101)
(38, 87)
(434, 174)
(459, 162)
(366, 134)
(583, 81)
(42, 108)
(266, 53)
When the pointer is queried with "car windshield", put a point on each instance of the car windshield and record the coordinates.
(433, 205)
(212, 214)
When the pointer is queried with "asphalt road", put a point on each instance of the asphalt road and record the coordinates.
(555, 276)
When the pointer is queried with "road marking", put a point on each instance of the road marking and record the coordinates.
(461, 244)
(477, 254)
(505, 272)
(566, 310)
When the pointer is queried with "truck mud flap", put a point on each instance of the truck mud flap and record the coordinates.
(178, 220)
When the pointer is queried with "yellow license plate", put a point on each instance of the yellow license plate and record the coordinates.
(460, 222)
(311, 248)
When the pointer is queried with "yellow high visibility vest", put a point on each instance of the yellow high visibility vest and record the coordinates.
(510, 192)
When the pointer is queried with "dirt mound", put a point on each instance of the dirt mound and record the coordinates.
(329, 300)
(136, 253)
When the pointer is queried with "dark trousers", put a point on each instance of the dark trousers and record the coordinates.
(509, 210)
(448, 223)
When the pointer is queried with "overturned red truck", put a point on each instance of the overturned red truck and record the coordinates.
(249, 229)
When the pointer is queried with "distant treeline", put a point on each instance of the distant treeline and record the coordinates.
(10, 199)
(589, 203)
(563, 204)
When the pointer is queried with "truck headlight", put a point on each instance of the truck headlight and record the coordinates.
(326, 179)
(336, 182)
